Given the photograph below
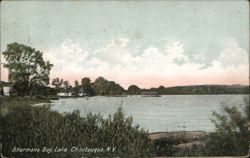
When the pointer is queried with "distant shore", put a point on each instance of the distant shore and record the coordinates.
(62, 97)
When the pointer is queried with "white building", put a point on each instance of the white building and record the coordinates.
(64, 94)
(6, 90)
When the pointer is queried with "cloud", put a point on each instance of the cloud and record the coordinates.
(123, 42)
(200, 57)
(151, 67)
(67, 57)
(232, 54)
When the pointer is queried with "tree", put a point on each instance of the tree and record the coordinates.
(101, 86)
(28, 71)
(86, 86)
(57, 83)
(105, 87)
(114, 89)
(134, 90)
(76, 83)
(161, 89)
(66, 86)
(76, 89)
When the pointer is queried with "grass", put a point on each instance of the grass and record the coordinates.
(29, 126)
(8, 103)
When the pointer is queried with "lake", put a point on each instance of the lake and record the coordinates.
(166, 113)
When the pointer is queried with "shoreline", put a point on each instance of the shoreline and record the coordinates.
(152, 96)
(183, 139)
(185, 134)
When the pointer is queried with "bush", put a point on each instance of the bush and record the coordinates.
(231, 137)
(38, 127)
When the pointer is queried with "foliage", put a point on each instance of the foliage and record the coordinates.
(28, 72)
(9, 103)
(37, 127)
(163, 147)
(195, 150)
(105, 87)
(67, 88)
(114, 88)
(247, 109)
(101, 86)
(202, 89)
(76, 89)
(161, 90)
(1, 91)
(57, 83)
(87, 87)
(119, 132)
(231, 135)
(49, 91)
(134, 90)
(3, 83)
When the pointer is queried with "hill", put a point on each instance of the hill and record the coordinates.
(202, 89)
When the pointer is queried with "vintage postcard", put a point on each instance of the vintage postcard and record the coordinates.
(124, 78)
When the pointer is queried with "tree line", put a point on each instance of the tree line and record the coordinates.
(100, 86)
(29, 76)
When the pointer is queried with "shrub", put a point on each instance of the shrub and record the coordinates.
(164, 147)
(231, 135)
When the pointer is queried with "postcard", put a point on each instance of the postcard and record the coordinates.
(124, 78)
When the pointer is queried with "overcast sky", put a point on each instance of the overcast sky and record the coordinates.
(148, 43)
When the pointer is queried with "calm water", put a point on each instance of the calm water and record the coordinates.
(166, 113)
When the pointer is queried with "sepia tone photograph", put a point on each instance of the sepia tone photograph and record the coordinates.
(124, 78)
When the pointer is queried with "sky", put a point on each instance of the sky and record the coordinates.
(147, 43)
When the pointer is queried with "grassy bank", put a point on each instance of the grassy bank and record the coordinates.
(8, 103)
(38, 127)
